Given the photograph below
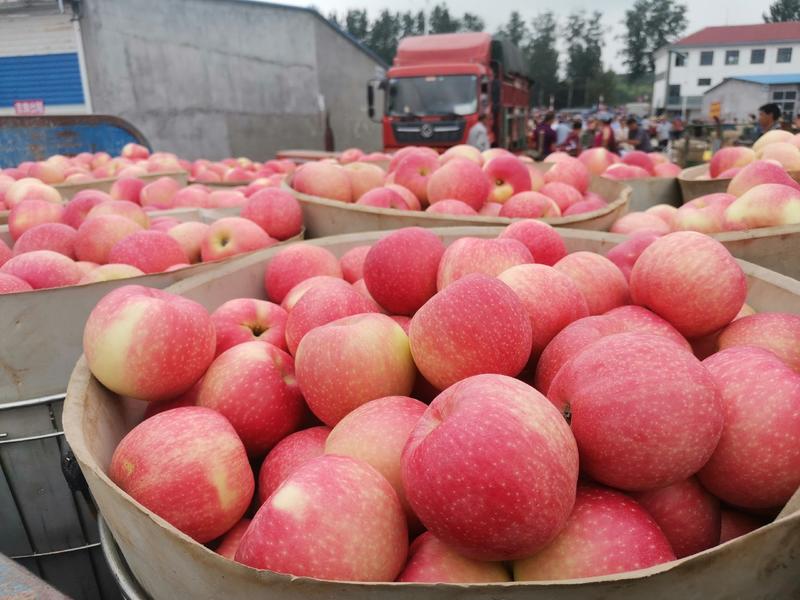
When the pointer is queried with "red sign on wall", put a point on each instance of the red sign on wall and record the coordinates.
(29, 107)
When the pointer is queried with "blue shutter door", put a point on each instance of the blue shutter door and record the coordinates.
(54, 78)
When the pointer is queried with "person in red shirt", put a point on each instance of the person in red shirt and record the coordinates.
(605, 137)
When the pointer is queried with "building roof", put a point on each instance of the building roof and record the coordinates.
(732, 35)
(789, 79)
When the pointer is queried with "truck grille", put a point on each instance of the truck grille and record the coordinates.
(419, 132)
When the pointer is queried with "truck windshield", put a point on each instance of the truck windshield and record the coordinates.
(434, 95)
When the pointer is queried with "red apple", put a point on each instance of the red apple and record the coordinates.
(459, 179)
(729, 158)
(777, 332)
(541, 239)
(550, 297)
(606, 533)
(231, 236)
(376, 433)
(625, 254)
(640, 222)
(687, 514)
(98, 235)
(43, 269)
(30, 213)
(736, 524)
(758, 173)
(187, 466)
(78, 207)
(414, 171)
(327, 180)
(383, 197)
(159, 193)
(110, 272)
(253, 385)
(469, 255)
(295, 263)
(297, 292)
(48, 236)
(321, 305)
(491, 468)
(246, 320)
(122, 208)
(276, 211)
(230, 542)
(352, 263)
(507, 176)
(400, 269)
(475, 325)
(529, 205)
(562, 194)
(148, 344)
(190, 236)
(291, 452)
(333, 518)
(757, 461)
(348, 362)
(127, 188)
(599, 280)
(431, 561)
(149, 251)
(10, 284)
(364, 177)
(691, 280)
(452, 207)
(572, 172)
(644, 411)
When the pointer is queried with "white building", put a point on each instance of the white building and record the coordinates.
(688, 68)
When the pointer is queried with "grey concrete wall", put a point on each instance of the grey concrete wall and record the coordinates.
(343, 75)
(738, 99)
(218, 78)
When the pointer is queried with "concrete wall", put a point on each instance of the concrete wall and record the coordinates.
(344, 87)
(738, 99)
(218, 78)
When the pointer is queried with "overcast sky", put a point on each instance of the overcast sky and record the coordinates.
(701, 13)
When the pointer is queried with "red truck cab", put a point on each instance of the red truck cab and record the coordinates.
(439, 84)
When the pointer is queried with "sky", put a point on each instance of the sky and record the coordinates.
(701, 13)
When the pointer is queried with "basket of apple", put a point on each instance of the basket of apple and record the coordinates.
(779, 147)
(460, 412)
(461, 187)
(757, 216)
(651, 176)
(242, 171)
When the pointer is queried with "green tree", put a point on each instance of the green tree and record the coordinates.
(541, 57)
(356, 23)
(650, 25)
(384, 35)
(783, 10)
(412, 24)
(515, 29)
(441, 21)
(584, 56)
(471, 22)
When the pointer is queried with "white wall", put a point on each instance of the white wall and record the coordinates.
(738, 99)
(688, 75)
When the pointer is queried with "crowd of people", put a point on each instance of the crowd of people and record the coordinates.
(571, 134)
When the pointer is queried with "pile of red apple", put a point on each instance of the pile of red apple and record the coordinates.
(760, 194)
(461, 181)
(492, 410)
(99, 237)
(136, 161)
(777, 146)
(632, 165)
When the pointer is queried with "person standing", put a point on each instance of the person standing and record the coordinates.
(478, 136)
(664, 132)
(562, 130)
(572, 145)
(769, 116)
(545, 137)
(605, 137)
(638, 137)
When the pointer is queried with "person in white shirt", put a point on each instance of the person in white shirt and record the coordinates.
(562, 130)
(478, 136)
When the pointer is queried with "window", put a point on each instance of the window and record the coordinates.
(731, 57)
(777, 95)
(789, 95)
(680, 59)
(784, 55)
(706, 58)
(757, 57)
(704, 81)
(674, 92)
